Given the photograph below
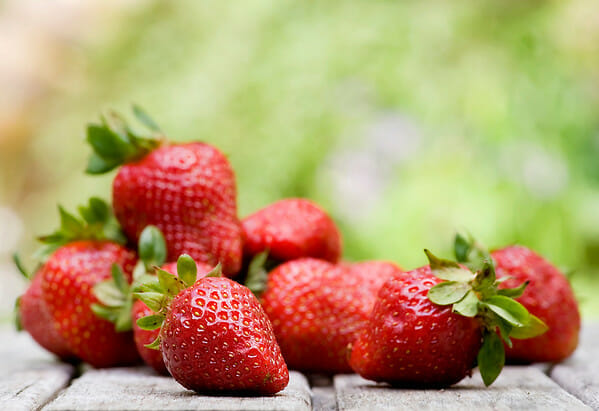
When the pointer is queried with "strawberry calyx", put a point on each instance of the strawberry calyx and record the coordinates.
(473, 292)
(114, 142)
(115, 295)
(159, 291)
(95, 222)
(257, 273)
(16, 259)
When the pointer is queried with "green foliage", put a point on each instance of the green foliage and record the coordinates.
(491, 358)
(114, 143)
(152, 247)
(187, 270)
(95, 222)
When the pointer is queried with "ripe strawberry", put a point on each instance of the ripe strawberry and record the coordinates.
(36, 320)
(186, 190)
(67, 281)
(144, 337)
(413, 337)
(215, 336)
(84, 252)
(318, 308)
(290, 229)
(549, 296)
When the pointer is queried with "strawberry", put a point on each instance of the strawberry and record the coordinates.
(214, 334)
(427, 332)
(186, 190)
(84, 252)
(33, 317)
(290, 229)
(144, 337)
(549, 296)
(318, 308)
(68, 278)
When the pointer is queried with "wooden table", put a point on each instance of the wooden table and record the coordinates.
(30, 379)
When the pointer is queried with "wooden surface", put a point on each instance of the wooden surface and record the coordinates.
(30, 379)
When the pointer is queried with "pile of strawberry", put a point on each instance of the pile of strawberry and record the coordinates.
(170, 275)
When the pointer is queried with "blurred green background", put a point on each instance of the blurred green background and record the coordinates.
(405, 120)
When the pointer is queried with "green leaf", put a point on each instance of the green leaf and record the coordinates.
(154, 300)
(461, 248)
(514, 292)
(257, 274)
(109, 294)
(152, 246)
(467, 306)
(216, 271)
(145, 119)
(533, 328)
(99, 209)
(54, 238)
(69, 223)
(150, 322)
(107, 313)
(170, 283)
(119, 279)
(139, 270)
(20, 267)
(123, 321)
(106, 144)
(147, 282)
(98, 165)
(18, 321)
(187, 270)
(484, 281)
(448, 292)
(454, 274)
(510, 310)
(154, 345)
(439, 263)
(447, 269)
(491, 357)
(505, 329)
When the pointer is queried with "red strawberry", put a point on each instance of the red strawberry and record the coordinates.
(144, 337)
(215, 335)
(83, 253)
(549, 296)
(68, 278)
(186, 190)
(318, 308)
(37, 321)
(290, 229)
(374, 273)
(411, 341)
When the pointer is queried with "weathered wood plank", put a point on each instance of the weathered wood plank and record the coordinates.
(518, 388)
(139, 388)
(579, 374)
(323, 399)
(29, 376)
(323, 393)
